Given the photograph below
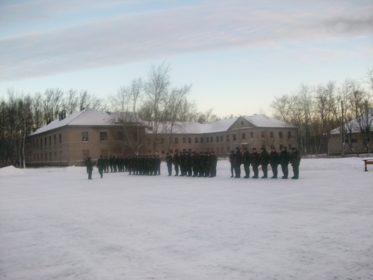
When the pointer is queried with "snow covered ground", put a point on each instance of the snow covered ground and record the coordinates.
(55, 224)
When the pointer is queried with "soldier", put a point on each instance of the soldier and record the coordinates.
(238, 162)
(255, 163)
(89, 165)
(189, 164)
(274, 161)
(232, 159)
(284, 161)
(264, 160)
(213, 164)
(169, 163)
(158, 165)
(176, 161)
(246, 159)
(295, 161)
(101, 166)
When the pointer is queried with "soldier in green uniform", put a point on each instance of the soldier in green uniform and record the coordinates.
(169, 163)
(284, 162)
(213, 164)
(101, 166)
(255, 163)
(232, 162)
(238, 162)
(246, 159)
(89, 165)
(176, 161)
(264, 160)
(295, 161)
(274, 161)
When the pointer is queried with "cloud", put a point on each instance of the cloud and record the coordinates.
(203, 26)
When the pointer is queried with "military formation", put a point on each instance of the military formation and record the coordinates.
(203, 164)
(192, 164)
(255, 159)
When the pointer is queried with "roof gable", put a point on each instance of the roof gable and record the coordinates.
(240, 123)
(263, 121)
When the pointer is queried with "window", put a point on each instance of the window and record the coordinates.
(211, 139)
(271, 134)
(221, 138)
(85, 136)
(217, 138)
(50, 140)
(184, 140)
(54, 139)
(252, 134)
(280, 134)
(243, 136)
(176, 140)
(227, 138)
(263, 134)
(201, 139)
(207, 139)
(196, 140)
(189, 140)
(289, 134)
(234, 137)
(60, 138)
(103, 136)
(45, 141)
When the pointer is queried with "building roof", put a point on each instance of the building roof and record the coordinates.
(87, 117)
(259, 121)
(90, 117)
(354, 125)
(263, 121)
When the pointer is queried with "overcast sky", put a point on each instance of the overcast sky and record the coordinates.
(237, 54)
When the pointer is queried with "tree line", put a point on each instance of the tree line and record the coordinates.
(153, 99)
(316, 110)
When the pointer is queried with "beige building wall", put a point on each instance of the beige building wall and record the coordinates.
(223, 142)
(71, 145)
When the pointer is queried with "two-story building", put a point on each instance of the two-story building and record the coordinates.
(222, 136)
(89, 133)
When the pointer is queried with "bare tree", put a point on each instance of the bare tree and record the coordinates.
(52, 104)
(126, 104)
(71, 102)
(156, 92)
(175, 102)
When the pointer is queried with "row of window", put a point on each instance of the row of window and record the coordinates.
(210, 139)
(47, 156)
(46, 141)
(103, 136)
(220, 150)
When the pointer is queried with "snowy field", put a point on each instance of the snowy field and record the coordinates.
(55, 224)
